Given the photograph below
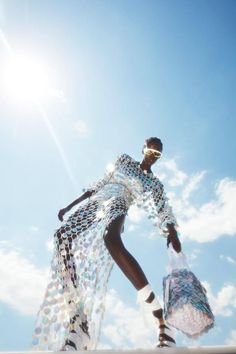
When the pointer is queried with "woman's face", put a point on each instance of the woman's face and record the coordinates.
(151, 156)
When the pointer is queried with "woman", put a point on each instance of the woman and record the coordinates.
(88, 243)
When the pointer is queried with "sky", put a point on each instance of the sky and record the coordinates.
(84, 81)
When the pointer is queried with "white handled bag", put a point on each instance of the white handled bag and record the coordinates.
(186, 305)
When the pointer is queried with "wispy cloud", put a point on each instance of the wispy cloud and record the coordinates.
(192, 184)
(227, 259)
(178, 177)
(191, 257)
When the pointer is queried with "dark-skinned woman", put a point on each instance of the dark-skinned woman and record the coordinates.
(89, 242)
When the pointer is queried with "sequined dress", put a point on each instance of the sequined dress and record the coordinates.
(81, 263)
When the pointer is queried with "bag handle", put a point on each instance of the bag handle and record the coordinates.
(176, 260)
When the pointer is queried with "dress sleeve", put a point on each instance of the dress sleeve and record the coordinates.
(162, 211)
(96, 186)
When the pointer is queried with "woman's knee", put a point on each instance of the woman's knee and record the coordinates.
(112, 237)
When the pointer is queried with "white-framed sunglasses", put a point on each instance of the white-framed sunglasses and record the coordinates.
(149, 151)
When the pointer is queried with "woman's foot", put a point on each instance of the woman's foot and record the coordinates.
(166, 337)
(78, 338)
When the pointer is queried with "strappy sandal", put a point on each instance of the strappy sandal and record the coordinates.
(166, 337)
(78, 338)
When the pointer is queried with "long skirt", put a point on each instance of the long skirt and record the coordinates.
(79, 274)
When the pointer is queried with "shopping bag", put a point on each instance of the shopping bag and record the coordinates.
(186, 306)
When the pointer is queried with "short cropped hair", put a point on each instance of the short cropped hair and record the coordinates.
(154, 141)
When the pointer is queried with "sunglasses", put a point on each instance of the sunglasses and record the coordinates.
(153, 152)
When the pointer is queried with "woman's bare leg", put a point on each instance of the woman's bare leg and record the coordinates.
(127, 262)
(121, 256)
(135, 274)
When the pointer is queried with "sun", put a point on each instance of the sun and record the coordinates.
(26, 78)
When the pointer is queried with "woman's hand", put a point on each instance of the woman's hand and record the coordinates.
(62, 213)
(173, 238)
(75, 202)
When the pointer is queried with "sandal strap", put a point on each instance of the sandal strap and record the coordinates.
(166, 330)
(69, 345)
(166, 343)
(74, 337)
(166, 337)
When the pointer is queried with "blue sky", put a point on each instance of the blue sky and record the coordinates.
(118, 72)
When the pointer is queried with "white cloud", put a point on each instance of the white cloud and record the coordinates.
(82, 128)
(22, 285)
(224, 302)
(231, 340)
(213, 218)
(126, 327)
(178, 178)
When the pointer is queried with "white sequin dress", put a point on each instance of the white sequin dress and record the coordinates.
(81, 263)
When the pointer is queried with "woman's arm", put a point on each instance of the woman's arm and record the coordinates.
(167, 221)
(84, 196)
(94, 188)
(173, 238)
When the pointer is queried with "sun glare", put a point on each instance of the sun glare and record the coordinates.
(26, 78)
